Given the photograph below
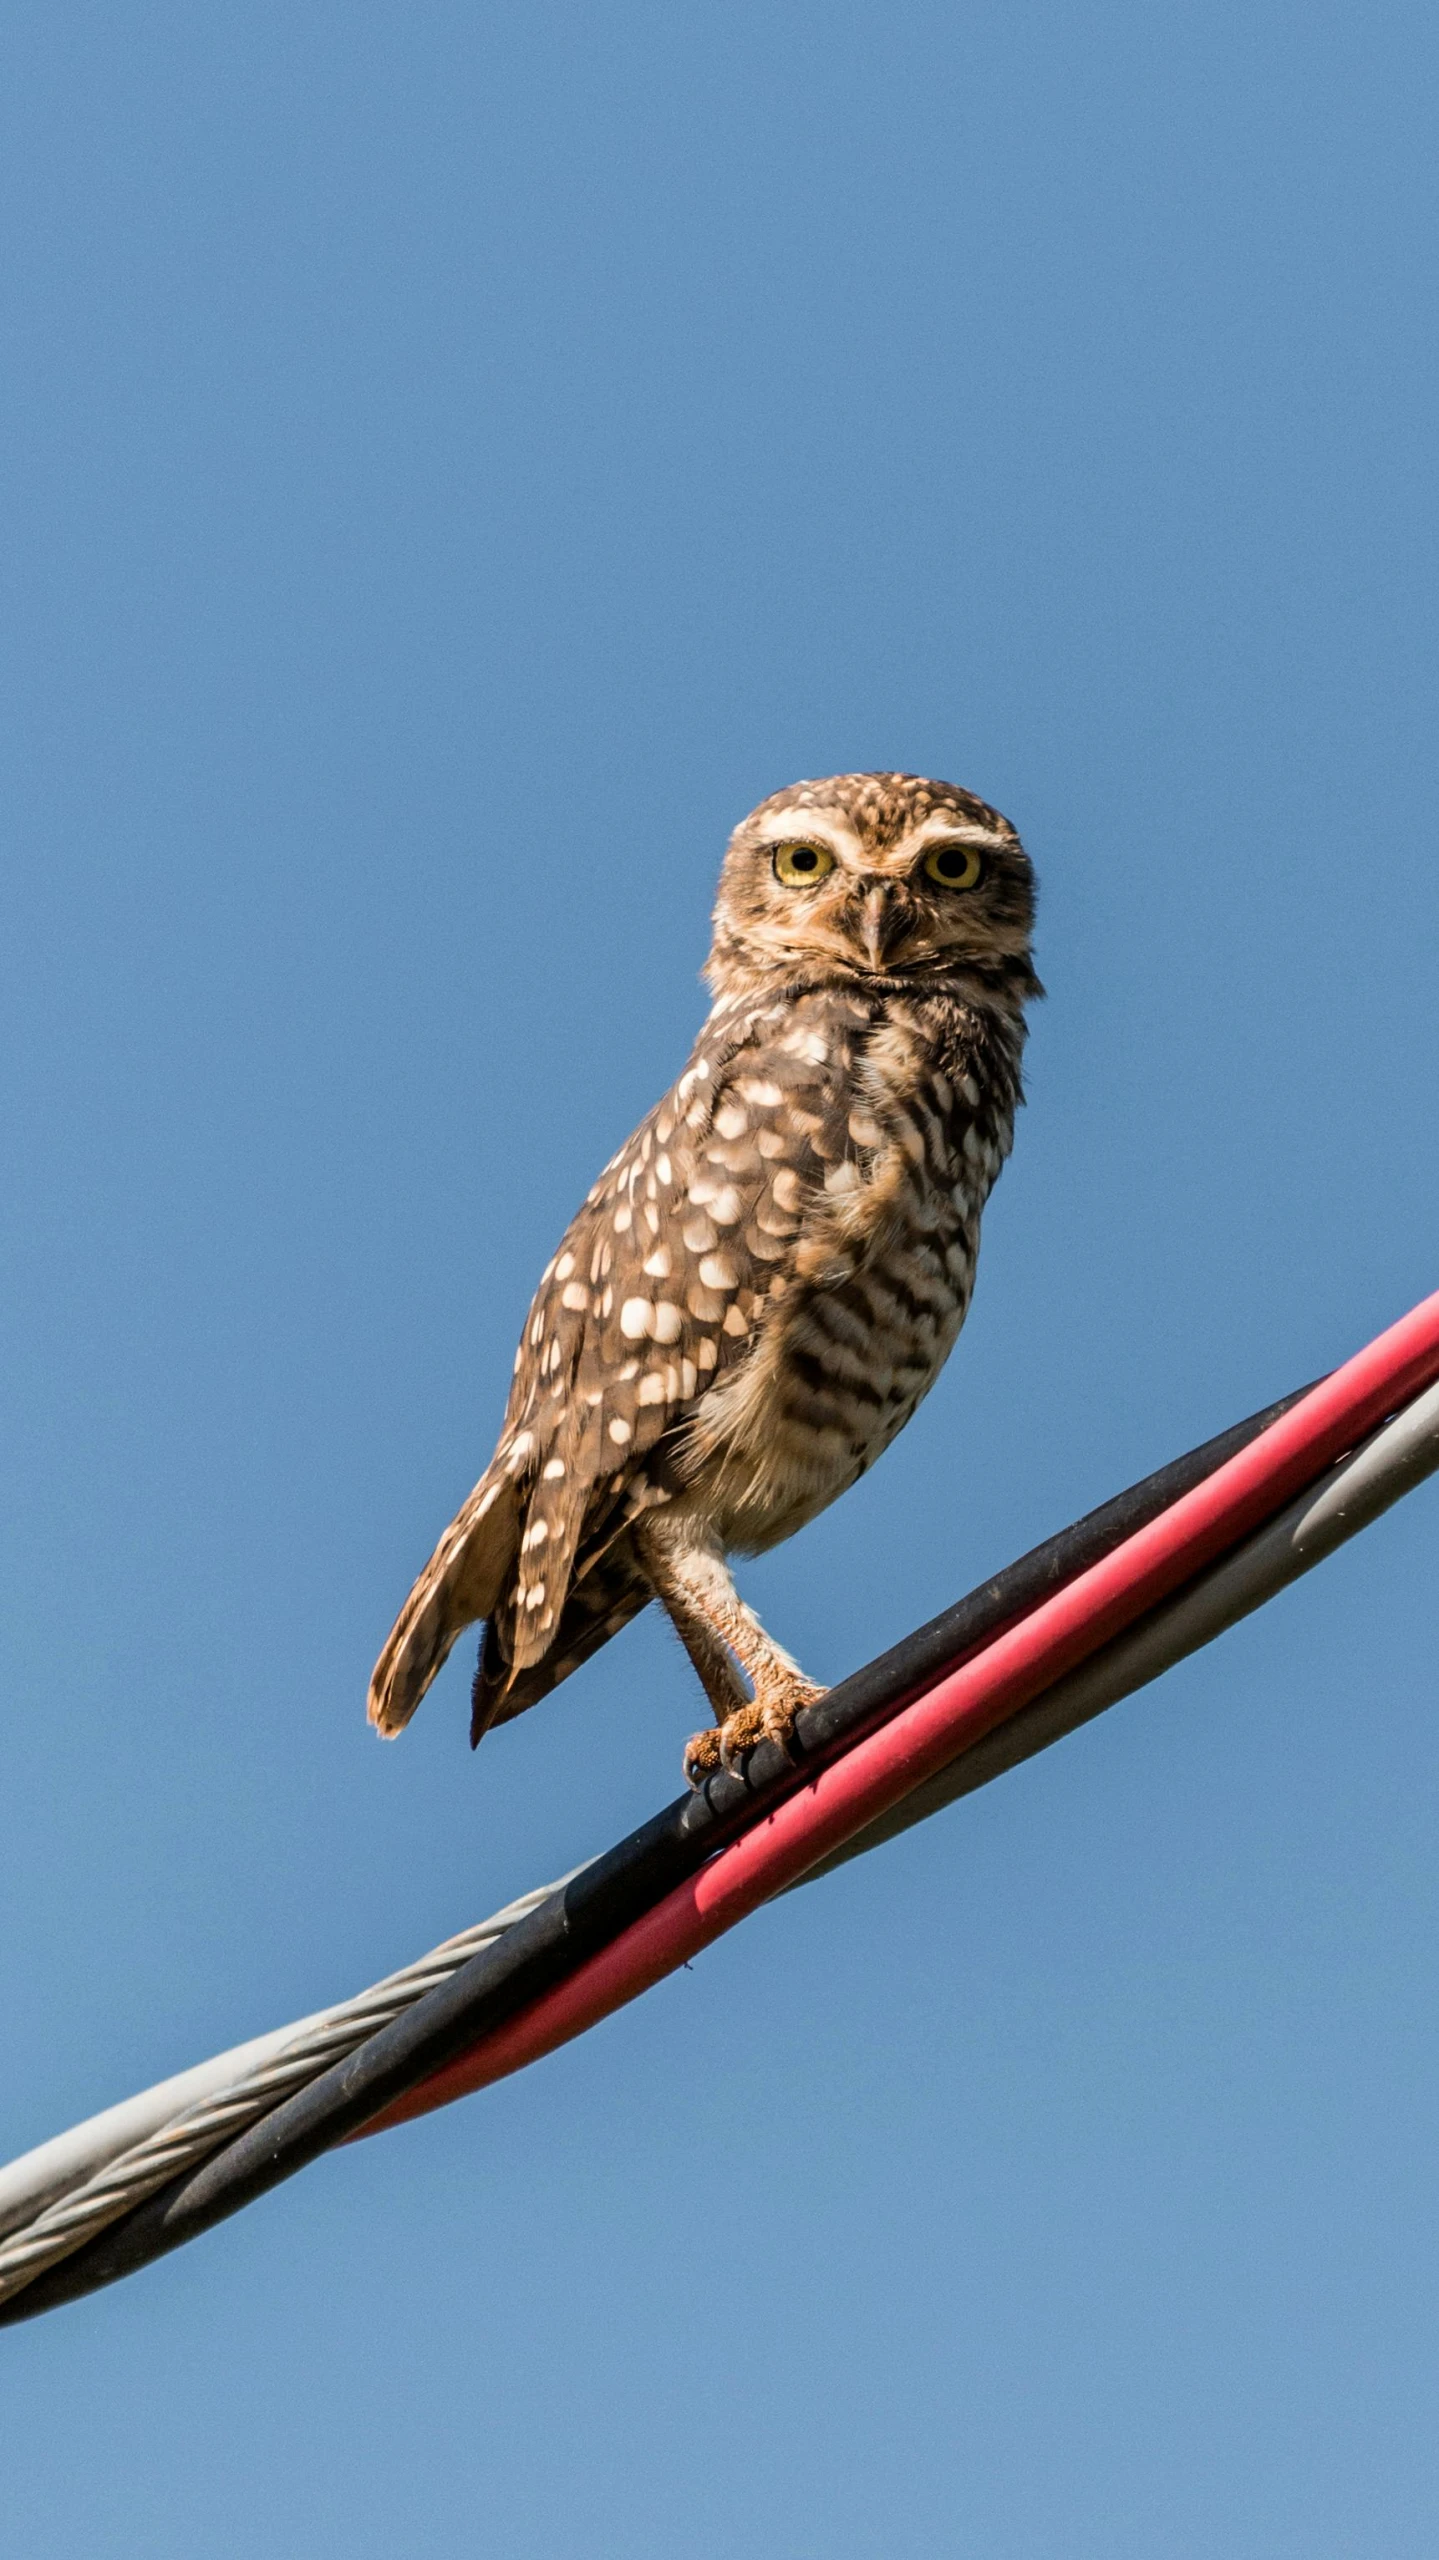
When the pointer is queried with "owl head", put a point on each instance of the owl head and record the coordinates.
(883, 878)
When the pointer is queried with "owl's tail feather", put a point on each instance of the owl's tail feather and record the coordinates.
(461, 1583)
(596, 1607)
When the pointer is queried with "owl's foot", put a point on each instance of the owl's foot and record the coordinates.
(768, 1718)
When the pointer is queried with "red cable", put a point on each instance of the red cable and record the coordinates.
(846, 1794)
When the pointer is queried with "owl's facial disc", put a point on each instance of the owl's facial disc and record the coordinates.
(872, 876)
(880, 910)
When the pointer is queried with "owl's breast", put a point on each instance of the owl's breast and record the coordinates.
(874, 1293)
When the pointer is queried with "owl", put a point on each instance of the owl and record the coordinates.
(770, 1274)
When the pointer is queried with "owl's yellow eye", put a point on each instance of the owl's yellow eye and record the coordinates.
(800, 865)
(954, 866)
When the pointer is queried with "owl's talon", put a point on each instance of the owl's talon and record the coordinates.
(702, 1756)
(781, 1713)
(770, 1718)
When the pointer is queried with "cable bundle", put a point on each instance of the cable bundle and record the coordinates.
(1082, 1621)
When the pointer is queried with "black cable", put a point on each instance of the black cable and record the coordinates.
(580, 1917)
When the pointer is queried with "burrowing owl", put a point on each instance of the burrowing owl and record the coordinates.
(769, 1275)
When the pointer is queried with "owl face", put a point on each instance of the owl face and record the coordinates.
(873, 876)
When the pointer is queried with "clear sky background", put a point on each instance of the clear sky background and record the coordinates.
(456, 460)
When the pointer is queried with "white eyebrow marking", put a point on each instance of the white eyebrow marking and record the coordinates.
(947, 827)
(809, 826)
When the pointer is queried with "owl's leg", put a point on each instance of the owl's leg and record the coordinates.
(712, 1659)
(685, 1564)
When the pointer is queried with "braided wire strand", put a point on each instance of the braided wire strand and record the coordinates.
(138, 2172)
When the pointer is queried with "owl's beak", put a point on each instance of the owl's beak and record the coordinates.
(884, 922)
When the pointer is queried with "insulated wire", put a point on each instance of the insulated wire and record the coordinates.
(829, 1806)
(237, 2086)
(580, 1971)
(61, 2193)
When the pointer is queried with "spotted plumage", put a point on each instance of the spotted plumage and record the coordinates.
(770, 1274)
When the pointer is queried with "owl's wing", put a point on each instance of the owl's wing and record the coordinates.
(461, 1583)
(531, 1492)
(656, 1294)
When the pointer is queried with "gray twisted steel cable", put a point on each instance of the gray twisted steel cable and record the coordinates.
(1393, 1460)
(272, 2066)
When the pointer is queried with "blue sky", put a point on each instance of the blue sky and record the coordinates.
(456, 461)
